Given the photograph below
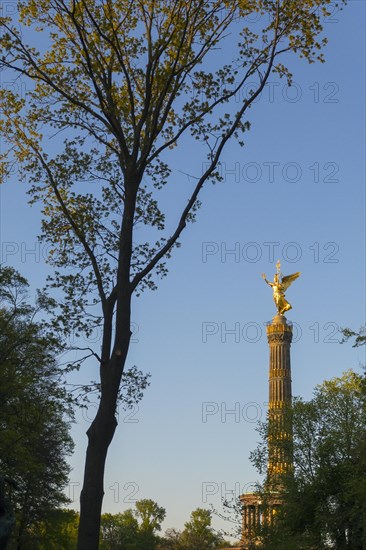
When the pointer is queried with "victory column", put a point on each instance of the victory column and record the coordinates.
(279, 334)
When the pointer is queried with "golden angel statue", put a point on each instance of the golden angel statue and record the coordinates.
(280, 285)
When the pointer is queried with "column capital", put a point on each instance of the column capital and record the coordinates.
(279, 330)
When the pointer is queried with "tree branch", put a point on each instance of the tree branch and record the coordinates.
(183, 219)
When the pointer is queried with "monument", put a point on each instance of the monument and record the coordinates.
(279, 335)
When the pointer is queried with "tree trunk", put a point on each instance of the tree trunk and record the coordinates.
(101, 431)
(100, 435)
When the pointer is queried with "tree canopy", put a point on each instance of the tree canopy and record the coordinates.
(198, 533)
(133, 529)
(139, 528)
(35, 411)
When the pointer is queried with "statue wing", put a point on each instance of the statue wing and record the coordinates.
(289, 279)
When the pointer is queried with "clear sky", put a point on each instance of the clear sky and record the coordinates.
(296, 192)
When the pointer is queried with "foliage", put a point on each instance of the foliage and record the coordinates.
(360, 336)
(132, 529)
(57, 532)
(137, 530)
(329, 449)
(150, 515)
(197, 534)
(119, 531)
(35, 411)
(171, 540)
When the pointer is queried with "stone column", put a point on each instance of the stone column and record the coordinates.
(279, 334)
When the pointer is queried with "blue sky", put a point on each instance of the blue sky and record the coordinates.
(296, 192)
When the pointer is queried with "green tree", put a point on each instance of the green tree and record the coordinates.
(57, 532)
(119, 531)
(35, 412)
(133, 529)
(198, 533)
(150, 516)
(125, 81)
(325, 498)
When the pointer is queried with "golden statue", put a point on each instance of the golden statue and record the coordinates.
(280, 285)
